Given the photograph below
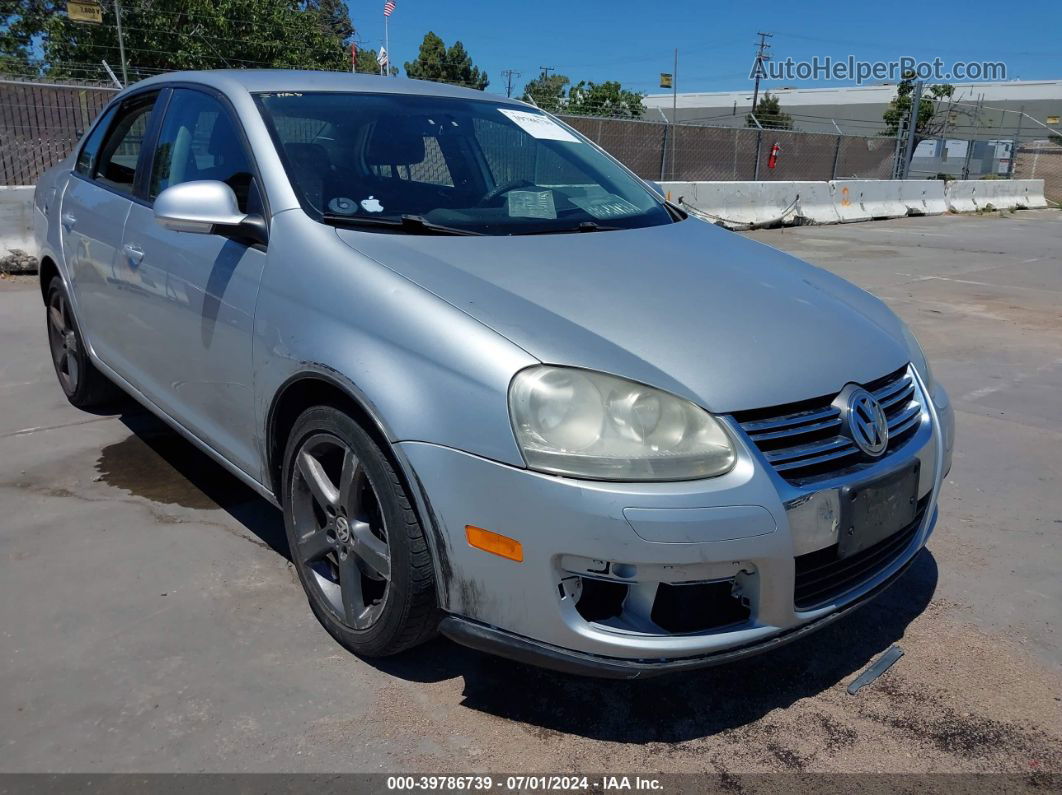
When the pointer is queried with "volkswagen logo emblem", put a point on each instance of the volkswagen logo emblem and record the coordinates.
(866, 423)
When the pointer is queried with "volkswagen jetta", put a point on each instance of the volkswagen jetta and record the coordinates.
(499, 387)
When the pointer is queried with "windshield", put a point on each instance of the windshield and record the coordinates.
(400, 162)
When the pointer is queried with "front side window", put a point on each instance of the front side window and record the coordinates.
(373, 160)
(117, 162)
(199, 140)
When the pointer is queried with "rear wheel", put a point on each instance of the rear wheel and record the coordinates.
(83, 385)
(357, 544)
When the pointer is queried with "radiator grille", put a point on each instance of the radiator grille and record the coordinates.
(804, 441)
(821, 576)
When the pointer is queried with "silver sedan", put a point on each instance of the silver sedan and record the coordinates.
(499, 387)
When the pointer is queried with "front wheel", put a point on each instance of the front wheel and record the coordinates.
(356, 542)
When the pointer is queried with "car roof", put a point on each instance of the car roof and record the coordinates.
(268, 80)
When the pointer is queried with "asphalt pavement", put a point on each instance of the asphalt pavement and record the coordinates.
(150, 620)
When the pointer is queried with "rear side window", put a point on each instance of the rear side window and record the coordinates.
(120, 153)
(199, 140)
(86, 159)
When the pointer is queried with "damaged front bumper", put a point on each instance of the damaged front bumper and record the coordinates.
(629, 579)
(514, 647)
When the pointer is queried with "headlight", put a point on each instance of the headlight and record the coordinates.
(918, 357)
(591, 425)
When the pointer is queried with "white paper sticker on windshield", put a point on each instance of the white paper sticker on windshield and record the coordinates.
(538, 125)
(608, 206)
(531, 204)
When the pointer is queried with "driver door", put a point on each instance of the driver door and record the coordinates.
(196, 293)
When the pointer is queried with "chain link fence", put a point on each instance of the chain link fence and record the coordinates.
(41, 121)
(1042, 160)
(688, 152)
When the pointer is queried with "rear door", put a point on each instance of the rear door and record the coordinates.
(93, 212)
(196, 293)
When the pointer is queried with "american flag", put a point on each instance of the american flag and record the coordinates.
(389, 8)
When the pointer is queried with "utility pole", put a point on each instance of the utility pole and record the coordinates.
(546, 70)
(970, 143)
(912, 127)
(674, 111)
(1014, 146)
(509, 74)
(758, 69)
(121, 40)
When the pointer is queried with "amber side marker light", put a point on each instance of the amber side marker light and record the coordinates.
(495, 543)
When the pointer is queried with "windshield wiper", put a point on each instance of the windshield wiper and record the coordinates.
(585, 226)
(410, 224)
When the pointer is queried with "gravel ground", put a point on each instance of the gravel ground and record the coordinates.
(150, 619)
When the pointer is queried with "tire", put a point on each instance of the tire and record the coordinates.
(356, 543)
(84, 386)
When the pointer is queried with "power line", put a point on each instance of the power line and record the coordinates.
(509, 74)
(761, 56)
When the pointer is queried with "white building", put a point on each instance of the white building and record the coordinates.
(857, 110)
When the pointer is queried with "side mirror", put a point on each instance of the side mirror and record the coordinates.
(201, 205)
(654, 186)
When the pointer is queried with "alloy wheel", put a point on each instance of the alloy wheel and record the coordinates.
(340, 534)
(63, 342)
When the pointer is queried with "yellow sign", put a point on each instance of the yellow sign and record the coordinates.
(665, 80)
(81, 11)
(1054, 119)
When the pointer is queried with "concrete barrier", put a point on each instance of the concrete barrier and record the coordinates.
(17, 248)
(923, 196)
(740, 204)
(866, 199)
(745, 204)
(968, 195)
(1032, 192)
(959, 194)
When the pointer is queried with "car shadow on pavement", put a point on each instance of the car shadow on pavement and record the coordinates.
(157, 464)
(680, 706)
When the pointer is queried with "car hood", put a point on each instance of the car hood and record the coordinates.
(688, 307)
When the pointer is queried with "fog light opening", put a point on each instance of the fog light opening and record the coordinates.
(600, 600)
(696, 607)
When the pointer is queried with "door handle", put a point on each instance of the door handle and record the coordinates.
(133, 252)
(68, 220)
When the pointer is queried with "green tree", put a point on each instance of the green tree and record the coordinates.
(547, 91)
(453, 65)
(769, 114)
(18, 28)
(603, 99)
(931, 119)
(182, 34)
(335, 18)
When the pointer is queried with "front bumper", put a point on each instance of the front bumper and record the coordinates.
(514, 647)
(730, 543)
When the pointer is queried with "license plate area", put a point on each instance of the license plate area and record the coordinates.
(876, 509)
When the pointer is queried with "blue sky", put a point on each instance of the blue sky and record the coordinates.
(633, 41)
